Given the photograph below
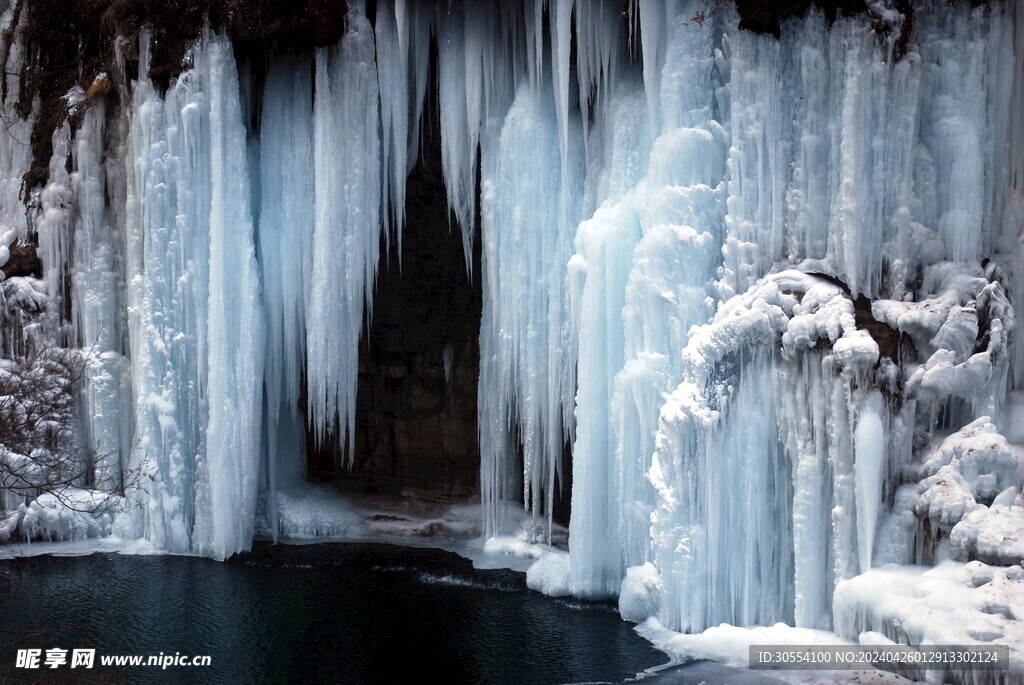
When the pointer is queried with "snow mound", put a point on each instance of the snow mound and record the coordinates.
(994, 535)
(550, 574)
(953, 603)
(640, 596)
(68, 515)
(515, 546)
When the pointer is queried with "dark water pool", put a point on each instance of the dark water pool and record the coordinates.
(326, 613)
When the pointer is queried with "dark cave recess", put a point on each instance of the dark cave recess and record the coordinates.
(416, 425)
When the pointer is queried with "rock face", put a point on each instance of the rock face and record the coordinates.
(416, 422)
(766, 17)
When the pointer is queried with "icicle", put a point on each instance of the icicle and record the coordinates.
(286, 257)
(599, 33)
(758, 125)
(53, 226)
(459, 133)
(526, 369)
(869, 445)
(1017, 107)
(228, 475)
(533, 25)
(95, 286)
(15, 148)
(561, 34)
(392, 43)
(347, 226)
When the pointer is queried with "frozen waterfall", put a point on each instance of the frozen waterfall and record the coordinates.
(761, 287)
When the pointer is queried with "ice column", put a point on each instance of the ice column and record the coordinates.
(286, 257)
(196, 322)
(96, 286)
(642, 275)
(227, 477)
(526, 376)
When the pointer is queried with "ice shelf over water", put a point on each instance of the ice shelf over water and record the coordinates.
(761, 287)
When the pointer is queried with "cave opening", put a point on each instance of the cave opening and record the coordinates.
(419, 356)
(417, 431)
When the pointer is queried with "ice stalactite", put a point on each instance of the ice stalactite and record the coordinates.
(347, 226)
(196, 322)
(469, 39)
(532, 173)
(286, 256)
(402, 36)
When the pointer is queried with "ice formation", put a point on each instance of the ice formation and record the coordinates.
(952, 603)
(762, 287)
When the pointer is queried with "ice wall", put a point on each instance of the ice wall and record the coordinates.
(778, 455)
(874, 164)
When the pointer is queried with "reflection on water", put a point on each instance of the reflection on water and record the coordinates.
(330, 613)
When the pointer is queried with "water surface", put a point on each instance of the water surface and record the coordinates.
(325, 613)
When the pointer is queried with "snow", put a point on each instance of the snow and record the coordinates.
(970, 491)
(514, 546)
(730, 645)
(67, 514)
(640, 594)
(993, 534)
(550, 574)
(952, 603)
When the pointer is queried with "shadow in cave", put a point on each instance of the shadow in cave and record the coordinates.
(416, 416)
